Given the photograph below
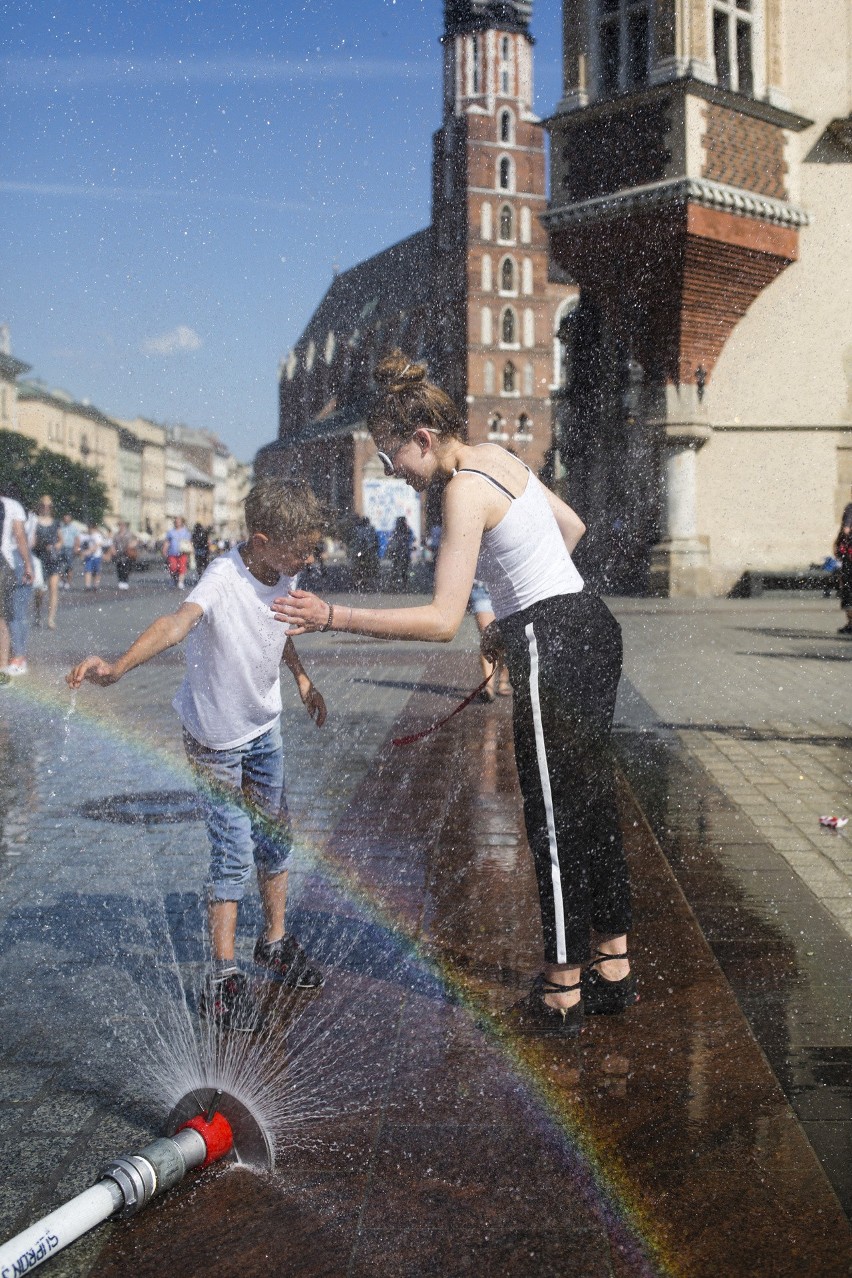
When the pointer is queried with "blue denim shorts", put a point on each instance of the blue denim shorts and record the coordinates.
(245, 810)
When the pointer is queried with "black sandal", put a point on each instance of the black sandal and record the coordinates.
(607, 998)
(533, 1016)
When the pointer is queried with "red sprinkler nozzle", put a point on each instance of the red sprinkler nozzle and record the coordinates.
(216, 1134)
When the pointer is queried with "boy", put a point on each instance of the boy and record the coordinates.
(230, 705)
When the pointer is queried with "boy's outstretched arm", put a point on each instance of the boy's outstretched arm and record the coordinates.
(163, 633)
(312, 699)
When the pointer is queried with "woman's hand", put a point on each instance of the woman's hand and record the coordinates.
(302, 612)
(491, 643)
(96, 670)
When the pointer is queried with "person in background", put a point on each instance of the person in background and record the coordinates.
(483, 614)
(123, 552)
(399, 553)
(177, 546)
(45, 538)
(843, 551)
(201, 547)
(93, 546)
(70, 546)
(16, 576)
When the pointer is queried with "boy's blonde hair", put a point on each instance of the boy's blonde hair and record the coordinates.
(283, 509)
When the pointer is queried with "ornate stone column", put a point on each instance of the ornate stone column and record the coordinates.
(680, 563)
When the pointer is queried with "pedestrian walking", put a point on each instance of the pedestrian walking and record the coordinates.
(201, 547)
(399, 553)
(93, 547)
(123, 553)
(843, 551)
(563, 650)
(46, 544)
(229, 705)
(70, 547)
(16, 577)
(177, 547)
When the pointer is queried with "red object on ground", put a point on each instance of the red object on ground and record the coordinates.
(418, 736)
(216, 1134)
(834, 823)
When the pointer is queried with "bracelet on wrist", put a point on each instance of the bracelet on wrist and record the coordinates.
(329, 621)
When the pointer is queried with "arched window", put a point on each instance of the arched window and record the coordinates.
(486, 273)
(505, 55)
(529, 328)
(509, 378)
(527, 275)
(310, 355)
(495, 425)
(486, 326)
(508, 327)
(485, 221)
(507, 227)
(526, 226)
(505, 126)
(504, 177)
(476, 68)
(488, 378)
(524, 424)
(507, 276)
(529, 376)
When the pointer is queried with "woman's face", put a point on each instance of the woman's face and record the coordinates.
(411, 458)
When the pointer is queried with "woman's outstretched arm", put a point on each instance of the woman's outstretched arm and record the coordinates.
(438, 621)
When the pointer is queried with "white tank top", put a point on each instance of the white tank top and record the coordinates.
(523, 559)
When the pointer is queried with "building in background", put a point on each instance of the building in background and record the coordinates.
(470, 295)
(152, 472)
(701, 197)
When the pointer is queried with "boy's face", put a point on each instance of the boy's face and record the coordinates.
(285, 559)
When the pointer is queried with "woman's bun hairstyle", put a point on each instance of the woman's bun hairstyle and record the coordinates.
(405, 400)
(395, 373)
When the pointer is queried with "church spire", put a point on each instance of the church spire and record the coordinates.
(461, 17)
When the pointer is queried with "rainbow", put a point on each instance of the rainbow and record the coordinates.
(599, 1175)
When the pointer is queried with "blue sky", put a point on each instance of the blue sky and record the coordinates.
(178, 179)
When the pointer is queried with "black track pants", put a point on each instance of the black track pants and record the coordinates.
(564, 659)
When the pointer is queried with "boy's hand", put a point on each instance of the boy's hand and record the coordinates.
(313, 703)
(96, 670)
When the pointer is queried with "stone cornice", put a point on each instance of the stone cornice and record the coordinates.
(678, 191)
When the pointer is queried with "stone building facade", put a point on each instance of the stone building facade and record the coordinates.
(701, 197)
(470, 295)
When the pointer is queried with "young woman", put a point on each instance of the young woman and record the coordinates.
(563, 651)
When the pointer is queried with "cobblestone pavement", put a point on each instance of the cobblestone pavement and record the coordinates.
(99, 920)
(759, 692)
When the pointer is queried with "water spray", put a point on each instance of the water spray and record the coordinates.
(205, 1126)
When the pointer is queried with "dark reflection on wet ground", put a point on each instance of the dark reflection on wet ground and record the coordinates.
(787, 961)
(660, 1142)
(18, 792)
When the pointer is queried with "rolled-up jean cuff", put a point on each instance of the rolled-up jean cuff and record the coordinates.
(225, 891)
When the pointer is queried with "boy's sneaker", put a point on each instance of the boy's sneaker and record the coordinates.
(289, 963)
(229, 1004)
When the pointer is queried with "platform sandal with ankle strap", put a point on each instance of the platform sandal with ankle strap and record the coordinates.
(533, 1016)
(602, 997)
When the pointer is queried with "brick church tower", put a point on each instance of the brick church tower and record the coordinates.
(494, 304)
(469, 294)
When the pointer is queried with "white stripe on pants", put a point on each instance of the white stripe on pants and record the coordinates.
(544, 775)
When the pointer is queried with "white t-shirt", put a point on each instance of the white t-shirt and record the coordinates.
(231, 692)
(14, 512)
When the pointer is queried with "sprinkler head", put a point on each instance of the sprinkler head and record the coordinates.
(215, 1132)
(250, 1143)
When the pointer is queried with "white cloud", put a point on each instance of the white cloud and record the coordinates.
(182, 338)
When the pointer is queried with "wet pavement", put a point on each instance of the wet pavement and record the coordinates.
(661, 1142)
